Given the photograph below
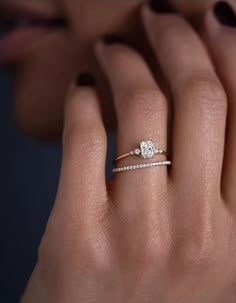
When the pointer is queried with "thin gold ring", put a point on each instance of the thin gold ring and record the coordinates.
(140, 166)
(146, 150)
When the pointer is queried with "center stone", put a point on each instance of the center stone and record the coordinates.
(148, 149)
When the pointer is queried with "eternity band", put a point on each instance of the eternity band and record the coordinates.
(140, 166)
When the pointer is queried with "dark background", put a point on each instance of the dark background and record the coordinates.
(29, 176)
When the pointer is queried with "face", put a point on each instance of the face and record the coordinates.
(49, 42)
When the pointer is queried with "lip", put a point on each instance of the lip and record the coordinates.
(40, 21)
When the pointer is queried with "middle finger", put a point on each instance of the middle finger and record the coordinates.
(199, 99)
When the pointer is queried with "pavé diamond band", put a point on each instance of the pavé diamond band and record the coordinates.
(140, 166)
(146, 150)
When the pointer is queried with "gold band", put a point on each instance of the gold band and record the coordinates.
(147, 150)
(140, 166)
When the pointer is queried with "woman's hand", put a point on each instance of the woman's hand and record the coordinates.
(153, 235)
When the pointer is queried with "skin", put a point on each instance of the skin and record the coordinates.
(44, 72)
(152, 235)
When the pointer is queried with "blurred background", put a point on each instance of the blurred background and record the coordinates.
(29, 177)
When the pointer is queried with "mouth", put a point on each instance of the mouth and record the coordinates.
(19, 33)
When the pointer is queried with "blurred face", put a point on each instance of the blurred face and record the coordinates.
(49, 42)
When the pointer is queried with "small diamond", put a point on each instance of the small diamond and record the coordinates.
(137, 152)
(148, 149)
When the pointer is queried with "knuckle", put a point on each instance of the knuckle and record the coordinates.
(151, 249)
(94, 256)
(145, 102)
(153, 256)
(158, 254)
(83, 137)
(159, 244)
(199, 256)
(205, 95)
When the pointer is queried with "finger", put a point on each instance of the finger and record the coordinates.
(141, 110)
(82, 188)
(199, 100)
(190, 7)
(220, 35)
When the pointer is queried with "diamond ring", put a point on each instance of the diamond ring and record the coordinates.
(146, 150)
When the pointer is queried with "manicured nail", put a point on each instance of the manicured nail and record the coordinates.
(225, 14)
(86, 79)
(161, 6)
(112, 39)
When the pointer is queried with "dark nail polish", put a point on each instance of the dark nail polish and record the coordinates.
(112, 39)
(225, 14)
(161, 6)
(86, 79)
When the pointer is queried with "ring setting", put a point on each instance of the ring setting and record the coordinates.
(147, 150)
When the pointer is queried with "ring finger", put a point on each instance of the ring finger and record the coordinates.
(142, 115)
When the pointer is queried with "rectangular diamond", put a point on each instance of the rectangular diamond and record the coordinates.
(148, 149)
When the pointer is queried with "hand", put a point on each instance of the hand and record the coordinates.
(153, 235)
(47, 64)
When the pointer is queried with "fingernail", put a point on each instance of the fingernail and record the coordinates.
(86, 79)
(161, 6)
(112, 39)
(225, 14)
